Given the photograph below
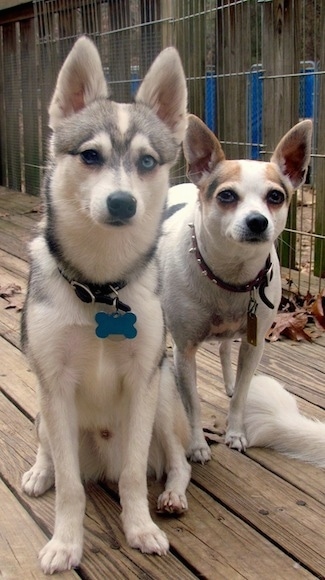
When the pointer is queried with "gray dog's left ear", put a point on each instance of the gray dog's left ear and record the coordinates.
(292, 154)
(164, 91)
(81, 80)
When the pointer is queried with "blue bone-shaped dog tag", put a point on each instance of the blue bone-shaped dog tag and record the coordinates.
(116, 324)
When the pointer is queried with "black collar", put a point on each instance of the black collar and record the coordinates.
(101, 293)
(260, 281)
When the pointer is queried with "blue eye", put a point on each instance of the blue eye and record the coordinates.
(227, 196)
(91, 157)
(147, 163)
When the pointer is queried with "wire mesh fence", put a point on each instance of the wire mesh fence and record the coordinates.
(253, 68)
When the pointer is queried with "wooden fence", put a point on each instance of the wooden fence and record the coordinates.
(247, 63)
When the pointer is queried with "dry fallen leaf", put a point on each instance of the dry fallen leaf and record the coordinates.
(13, 295)
(9, 290)
(317, 309)
(295, 313)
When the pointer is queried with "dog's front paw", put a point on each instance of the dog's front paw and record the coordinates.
(199, 451)
(230, 388)
(37, 481)
(236, 441)
(149, 539)
(58, 556)
(172, 503)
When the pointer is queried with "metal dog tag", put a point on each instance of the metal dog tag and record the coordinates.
(251, 329)
(252, 321)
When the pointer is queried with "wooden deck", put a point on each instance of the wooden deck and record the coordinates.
(253, 516)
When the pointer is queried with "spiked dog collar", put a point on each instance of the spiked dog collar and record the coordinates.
(260, 282)
(98, 293)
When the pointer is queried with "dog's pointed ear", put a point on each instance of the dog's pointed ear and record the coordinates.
(163, 89)
(292, 154)
(202, 149)
(80, 81)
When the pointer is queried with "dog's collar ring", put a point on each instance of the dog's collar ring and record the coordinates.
(102, 294)
(83, 292)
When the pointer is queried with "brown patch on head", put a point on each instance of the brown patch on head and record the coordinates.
(227, 172)
(273, 175)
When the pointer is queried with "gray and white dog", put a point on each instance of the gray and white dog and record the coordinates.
(93, 326)
(220, 272)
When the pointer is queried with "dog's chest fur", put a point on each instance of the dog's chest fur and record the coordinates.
(217, 319)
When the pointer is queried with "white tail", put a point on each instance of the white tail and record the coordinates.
(272, 419)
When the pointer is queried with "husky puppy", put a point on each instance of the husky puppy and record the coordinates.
(220, 273)
(272, 419)
(92, 326)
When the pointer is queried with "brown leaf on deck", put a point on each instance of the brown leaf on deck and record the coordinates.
(317, 309)
(13, 295)
(295, 313)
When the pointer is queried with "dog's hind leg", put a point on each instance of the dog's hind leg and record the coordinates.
(172, 433)
(40, 477)
(185, 367)
(227, 370)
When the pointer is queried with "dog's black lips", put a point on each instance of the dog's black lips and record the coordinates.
(254, 240)
(117, 223)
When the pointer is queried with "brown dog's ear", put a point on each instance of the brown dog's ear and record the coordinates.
(202, 149)
(292, 154)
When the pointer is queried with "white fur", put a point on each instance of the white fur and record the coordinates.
(197, 309)
(273, 419)
(108, 408)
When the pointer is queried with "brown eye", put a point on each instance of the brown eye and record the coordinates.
(227, 196)
(275, 197)
(91, 157)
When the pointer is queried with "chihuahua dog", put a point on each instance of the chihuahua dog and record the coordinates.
(92, 325)
(220, 274)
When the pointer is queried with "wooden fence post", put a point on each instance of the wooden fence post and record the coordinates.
(319, 267)
(12, 105)
(29, 106)
(281, 60)
(233, 65)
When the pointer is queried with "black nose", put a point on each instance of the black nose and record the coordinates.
(257, 222)
(121, 205)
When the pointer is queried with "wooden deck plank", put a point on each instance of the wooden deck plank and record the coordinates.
(19, 551)
(14, 265)
(282, 513)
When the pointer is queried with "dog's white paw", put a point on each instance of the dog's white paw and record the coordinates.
(230, 387)
(172, 503)
(236, 441)
(149, 539)
(36, 481)
(199, 452)
(58, 556)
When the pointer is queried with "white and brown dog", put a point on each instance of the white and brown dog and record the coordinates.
(219, 268)
(93, 326)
